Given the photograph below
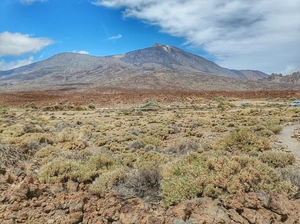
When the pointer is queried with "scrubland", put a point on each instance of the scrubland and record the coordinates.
(162, 153)
(168, 153)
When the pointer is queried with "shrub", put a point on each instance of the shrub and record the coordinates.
(58, 170)
(151, 140)
(45, 152)
(102, 161)
(150, 105)
(32, 142)
(105, 181)
(242, 140)
(143, 183)
(261, 130)
(219, 128)
(127, 159)
(151, 160)
(182, 147)
(101, 140)
(273, 125)
(136, 145)
(225, 105)
(67, 135)
(12, 131)
(214, 174)
(76, 144)
(291, 174)
(277, 159)
(66, 167)
(32, 128)
(91, 106)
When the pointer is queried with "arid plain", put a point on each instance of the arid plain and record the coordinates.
(124, 156)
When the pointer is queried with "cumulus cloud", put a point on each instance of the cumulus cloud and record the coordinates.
(15, 64)
(31, 1)
(115, 37)
(81, 52)
(257, 34)
(18, 44)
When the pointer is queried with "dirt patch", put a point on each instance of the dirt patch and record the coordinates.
(287, 138)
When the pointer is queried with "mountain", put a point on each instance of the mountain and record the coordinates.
(174, 59)
(158, 66)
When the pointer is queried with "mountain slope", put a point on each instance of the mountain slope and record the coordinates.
(175, 59)
(250, 74)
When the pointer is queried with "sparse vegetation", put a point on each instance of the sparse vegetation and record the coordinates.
(216, 174)
(160, 154)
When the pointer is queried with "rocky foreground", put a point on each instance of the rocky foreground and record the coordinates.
(25, 200)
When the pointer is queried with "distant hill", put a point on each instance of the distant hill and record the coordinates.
(294, 78)
(158, 66)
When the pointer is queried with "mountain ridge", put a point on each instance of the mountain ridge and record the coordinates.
(168, 55)
(159, 66)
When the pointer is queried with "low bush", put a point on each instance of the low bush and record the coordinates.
(219, 128)
(277, 159)
(127, 159)
(151, 160)
(91, 106)
(136, 145)
(67, 135)
(242, 140)
(215, 174)
(32, 128)
(15, 130)
(273, 125)
(151, 140)
(182, 147)
(65, 167)
(107, 180)
(291, 174)
(101, 140)
(58, 170)
(261, 130)
(45, 152)
(225, 105)
(102, 161)
(144, 183)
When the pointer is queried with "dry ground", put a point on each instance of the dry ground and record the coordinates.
(118, 97)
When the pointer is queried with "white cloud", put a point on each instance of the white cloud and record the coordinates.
(115, 37)
(257, 34)
(81, 52)
(31, 1)
(18, 44)
(15, 64)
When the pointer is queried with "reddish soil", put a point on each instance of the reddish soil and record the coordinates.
(119, 97)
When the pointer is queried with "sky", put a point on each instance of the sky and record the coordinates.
(239, 34)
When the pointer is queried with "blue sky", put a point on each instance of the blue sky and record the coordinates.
(240, 34)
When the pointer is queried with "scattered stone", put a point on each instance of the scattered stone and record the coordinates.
(76, 217)
(72, 186)
(51, 221)
(49, 208)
